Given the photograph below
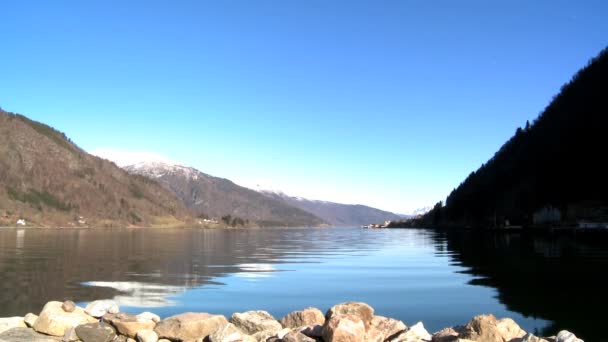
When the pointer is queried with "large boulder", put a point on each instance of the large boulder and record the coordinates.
(344, 328)
(227, 333)
(383, 328)
(489, 329)
(129, 325)
(11, 322)
(53, 320)
(189, 326)
(252, 322)
(95, 332)
(99, 308)
(416, 333)
(566, 336)
(147, 336)
(359, 309)
(308, 316)
(26, 335)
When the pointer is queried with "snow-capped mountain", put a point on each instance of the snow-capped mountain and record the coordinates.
(336, 214)
(217, 197)
(156, 169)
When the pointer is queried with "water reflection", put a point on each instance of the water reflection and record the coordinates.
(556, 278)
(408, 274)
(140, 295)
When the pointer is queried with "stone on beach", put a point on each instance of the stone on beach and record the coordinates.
(189, 326)
(416, 333)
(383, 328)
(294, 336)
(344, 328)
(447, 335)
(359, 309)
(252, 322)
(308, 316)
(70, 335)
(30, 319)
(68, 306)
(488, 328)
(99, 308)
(53, 320)
(11, 322)
(96, 332)
(147, 336)
(566, 336)
(129, 325)
(531, 338)
(146, 315)
(227, 333)
(26, 335)
(314, 331)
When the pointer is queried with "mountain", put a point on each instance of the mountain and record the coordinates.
(216, 197)
(550, 171)
(47, 180)
(336, 214)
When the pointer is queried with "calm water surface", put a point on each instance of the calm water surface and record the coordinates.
(441, 279)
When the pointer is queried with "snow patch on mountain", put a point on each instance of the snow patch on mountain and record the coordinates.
(157, 169)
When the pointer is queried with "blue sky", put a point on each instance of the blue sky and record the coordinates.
(385, 103)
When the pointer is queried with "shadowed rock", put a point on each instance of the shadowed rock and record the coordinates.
(96, 332)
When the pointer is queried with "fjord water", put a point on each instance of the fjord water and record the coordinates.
(441, 279)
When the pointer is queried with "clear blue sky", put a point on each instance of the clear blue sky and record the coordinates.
(386, 103)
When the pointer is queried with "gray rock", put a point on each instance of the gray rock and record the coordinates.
(99, 308)
(566, 336)
(25, 335)
(11, 322)
(252, 322)
(308, 316)
(68, 306)
(147, 336)
(30, 319)
(189, 326)
(96, 332)
(53, 320)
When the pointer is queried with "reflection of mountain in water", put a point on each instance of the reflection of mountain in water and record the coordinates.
(136, 267)
(555, 278)
(142, 268)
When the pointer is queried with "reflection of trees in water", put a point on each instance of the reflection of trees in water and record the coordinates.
(556, 278)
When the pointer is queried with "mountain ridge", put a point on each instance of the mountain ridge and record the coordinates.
(47, 180)
(336, 214)
(217, 197)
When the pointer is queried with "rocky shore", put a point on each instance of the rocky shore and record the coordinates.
(102, 321)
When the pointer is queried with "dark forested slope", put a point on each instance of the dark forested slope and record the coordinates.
(557, 162)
